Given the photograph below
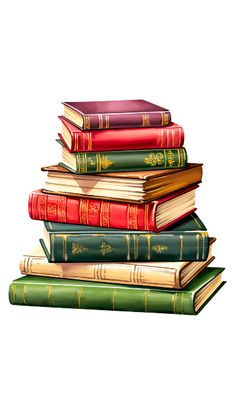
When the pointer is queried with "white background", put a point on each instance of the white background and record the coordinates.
(62, 363)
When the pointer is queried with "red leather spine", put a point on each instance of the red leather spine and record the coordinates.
(171, 136)
(94, 212)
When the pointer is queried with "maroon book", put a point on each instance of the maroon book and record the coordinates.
(116, 114)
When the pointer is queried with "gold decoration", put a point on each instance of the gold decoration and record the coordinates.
(78, 248)
(170, 157)
(154, 159)
(91, 162)
(105, 248)
(159, 248)
(105, 162)
(93, 209)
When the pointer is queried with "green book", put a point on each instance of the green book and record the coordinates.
(125, 160)
(187, 240)
(53, 292)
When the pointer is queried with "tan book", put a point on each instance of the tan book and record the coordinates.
(136, 187)
(154, 274)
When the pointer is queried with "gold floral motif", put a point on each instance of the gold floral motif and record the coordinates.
(170, 157)
(51, 209)
(78, 248)
(154, 159)
(93, 209)
(159, 248)
(91, 162)
(105, 162)
(105, 248)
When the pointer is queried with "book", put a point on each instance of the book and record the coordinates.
(116, 114)
(138, 187)
(53, 292)
(184, 241)
(154, 216)
(76, 140)
(157, 274)
(120, 161)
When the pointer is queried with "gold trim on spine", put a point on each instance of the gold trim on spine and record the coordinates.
(65, 247)
(204, 234)
(86, 122)
(164, 151)
(162, 119)
(197, 240)
(148, 237)
(107, 121)
(174, 302)
(90, 141)
(178, 157)
(100, 121)
(113, 299)
(135, 246)
(146, 210)
(79, 294)
(181, 247)
(49, 294)
(127, 238)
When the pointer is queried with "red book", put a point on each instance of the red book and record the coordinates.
(77, 140)
(116, 114)
(153, 216)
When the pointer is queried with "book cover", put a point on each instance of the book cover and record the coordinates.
(185, 241)
(54, 292)
(116, 114)
(150, 217)
(138, 187)
(76, 140)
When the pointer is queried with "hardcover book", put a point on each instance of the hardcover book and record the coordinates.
(76, 140)
(120, 161)
(139, 187)
(116, 114)
(186, 240)
(154, 216)
(54, 292)
(153, 274)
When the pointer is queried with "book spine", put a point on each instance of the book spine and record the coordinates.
(118, 273)
(126, 120)
(100, 297)
(119, 161)
(129, 247)
(98, 213)
(171, 136)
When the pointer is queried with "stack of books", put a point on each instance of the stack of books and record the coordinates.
(120, 228)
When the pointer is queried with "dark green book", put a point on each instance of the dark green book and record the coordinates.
(187, 240)
(53, 292)
(125, 160)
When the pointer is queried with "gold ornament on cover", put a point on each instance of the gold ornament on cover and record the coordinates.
(154, 159)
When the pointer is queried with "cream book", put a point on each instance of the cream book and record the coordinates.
(156, 274)
(136, 187)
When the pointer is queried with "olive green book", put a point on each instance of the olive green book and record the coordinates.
(53, 292)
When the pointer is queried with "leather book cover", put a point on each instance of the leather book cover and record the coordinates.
(100, 213)
(118, 114)
(171, 136)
